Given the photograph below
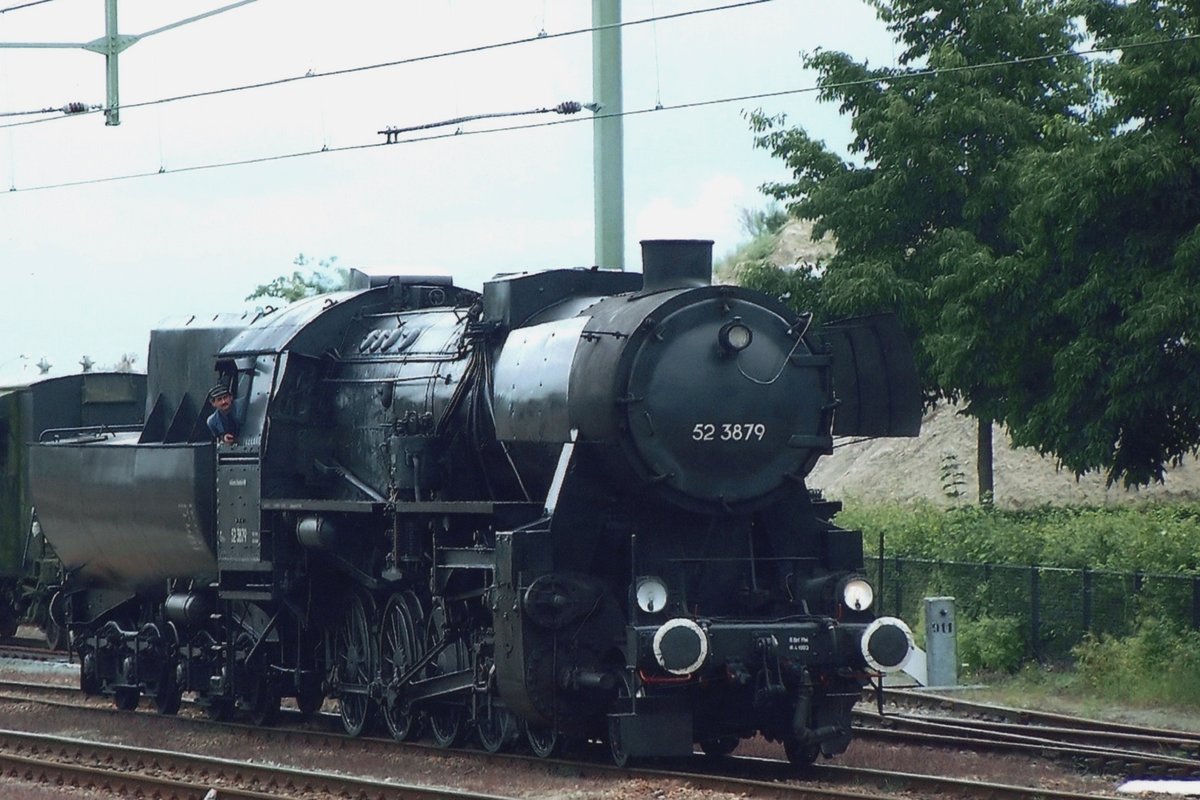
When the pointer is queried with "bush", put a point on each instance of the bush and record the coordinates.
(1143, 538)
(991, 644)
(1160, 663)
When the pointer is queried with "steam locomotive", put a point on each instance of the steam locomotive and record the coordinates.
(571, 506)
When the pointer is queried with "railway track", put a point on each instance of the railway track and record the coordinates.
(1096, 745)
(150, 772)
(735, 776)
(22, 652)
(922, 700)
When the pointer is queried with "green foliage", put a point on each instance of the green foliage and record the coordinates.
(1162, 539)
(326, 277)
(749, 265)
(1034, 223)
(1160, 663)
(763, 222)
(991, 644)
(1113, 229)
(799, 286)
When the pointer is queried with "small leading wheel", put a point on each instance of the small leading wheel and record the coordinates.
(545, 742)
(801, 756)
(616, 742)
(399, 650)
(354, 650)
(497, 729)
(616, 745)
(719, 747)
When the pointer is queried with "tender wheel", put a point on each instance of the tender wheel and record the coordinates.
(800, 755)
(89, 674)
(126, 697)
(497, 729)
(56, 635)
(356, 663)
(169, 696)
(720, 747)
(544, 742)
(8, 623)
(399, 649)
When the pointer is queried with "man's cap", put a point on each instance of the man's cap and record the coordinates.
(220, 390)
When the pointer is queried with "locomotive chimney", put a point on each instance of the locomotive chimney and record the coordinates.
(676, 264)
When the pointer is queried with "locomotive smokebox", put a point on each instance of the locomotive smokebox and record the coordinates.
(676, 264)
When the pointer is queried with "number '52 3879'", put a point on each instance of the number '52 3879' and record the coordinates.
(729, 431)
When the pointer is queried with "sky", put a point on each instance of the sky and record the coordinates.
(91, 269)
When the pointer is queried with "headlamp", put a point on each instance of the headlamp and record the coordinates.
(857, 593)
(735, 336)
(651, 594)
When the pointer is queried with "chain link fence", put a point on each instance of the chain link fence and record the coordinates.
(1052, 608)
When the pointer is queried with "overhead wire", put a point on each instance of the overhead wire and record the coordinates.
(458, 133)
(70, 109)
(24, 5)
(539, 37)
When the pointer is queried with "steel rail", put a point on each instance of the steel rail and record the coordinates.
(205, 772)
(755, 777)
(1021, 716)
(1103, 759)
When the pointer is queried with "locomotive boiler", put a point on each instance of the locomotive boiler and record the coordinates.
(571, 506)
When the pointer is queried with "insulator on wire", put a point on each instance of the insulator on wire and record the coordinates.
(74, 108)
(568, 107)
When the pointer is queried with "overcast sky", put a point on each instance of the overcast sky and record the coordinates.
(91, 269)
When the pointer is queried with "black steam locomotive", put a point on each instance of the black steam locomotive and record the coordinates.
(572, 506)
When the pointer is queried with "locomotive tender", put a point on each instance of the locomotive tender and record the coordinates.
(28, 566)
(571, 506)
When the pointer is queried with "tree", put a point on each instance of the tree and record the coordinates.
(923, 214)
(750, 264)
(325, 278)
(125, 363)
(1112, 224)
